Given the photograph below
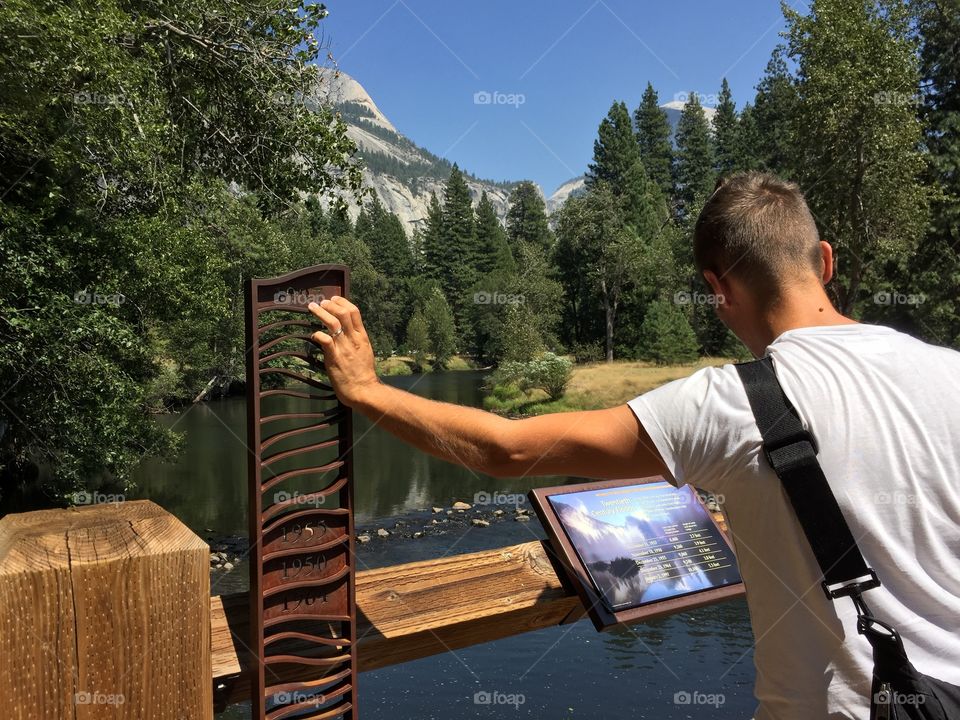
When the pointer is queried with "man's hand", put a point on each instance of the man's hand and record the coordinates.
(347, 355)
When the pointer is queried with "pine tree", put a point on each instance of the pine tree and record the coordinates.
(653, 138)
(434, 255)
(666, 335)
(695, 174)
(383, 233)
(726, 133)
(615, 150)
(491, 240)
(338, 221)
(459, 247)
(749, 139)
(644, 208)
(774, 107)
(527, 218)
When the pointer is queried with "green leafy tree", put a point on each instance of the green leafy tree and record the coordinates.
(117, 120)
(653, 138)
(599, 258)
(695, 174)
(418, 340)
(857, 150)
(440, 327)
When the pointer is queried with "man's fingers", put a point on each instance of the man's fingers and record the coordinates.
(348, 313)
(326, 342)
(325, 316)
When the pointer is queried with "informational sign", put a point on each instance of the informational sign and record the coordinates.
(638, 548)
(302, 563)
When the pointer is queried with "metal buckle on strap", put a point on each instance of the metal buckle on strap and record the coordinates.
(851, 588)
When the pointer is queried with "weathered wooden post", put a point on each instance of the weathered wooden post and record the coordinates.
(104, 613)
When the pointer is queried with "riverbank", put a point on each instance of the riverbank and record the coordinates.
(594, 386)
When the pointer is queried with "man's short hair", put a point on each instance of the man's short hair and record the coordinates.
(757, 227)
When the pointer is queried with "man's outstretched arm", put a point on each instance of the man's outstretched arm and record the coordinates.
(594, 443)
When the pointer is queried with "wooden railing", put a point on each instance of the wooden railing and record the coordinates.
(111, 603)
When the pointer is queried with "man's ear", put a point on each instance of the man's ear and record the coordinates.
(718, 286)
(826, 254)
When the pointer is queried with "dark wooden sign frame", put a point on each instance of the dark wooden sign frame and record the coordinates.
(569, 560)
(302, 554)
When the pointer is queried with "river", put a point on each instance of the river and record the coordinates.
(692, 665)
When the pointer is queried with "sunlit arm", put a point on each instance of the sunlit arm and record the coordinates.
(594, 444)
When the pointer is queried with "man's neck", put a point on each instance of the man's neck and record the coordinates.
(798, 308)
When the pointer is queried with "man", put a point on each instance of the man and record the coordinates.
(883, 406)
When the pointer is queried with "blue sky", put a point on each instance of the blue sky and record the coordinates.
(423, 61)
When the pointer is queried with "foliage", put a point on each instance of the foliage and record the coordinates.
(857, 135)
(666, 335)
(548, 372)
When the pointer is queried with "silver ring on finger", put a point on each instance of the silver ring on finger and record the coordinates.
(338, 333)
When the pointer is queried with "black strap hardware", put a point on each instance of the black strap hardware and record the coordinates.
(791, 450)
(851, 589)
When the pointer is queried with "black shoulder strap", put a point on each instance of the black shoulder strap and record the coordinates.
(792, 453)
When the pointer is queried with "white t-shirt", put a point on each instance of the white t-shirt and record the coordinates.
(885, 410)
